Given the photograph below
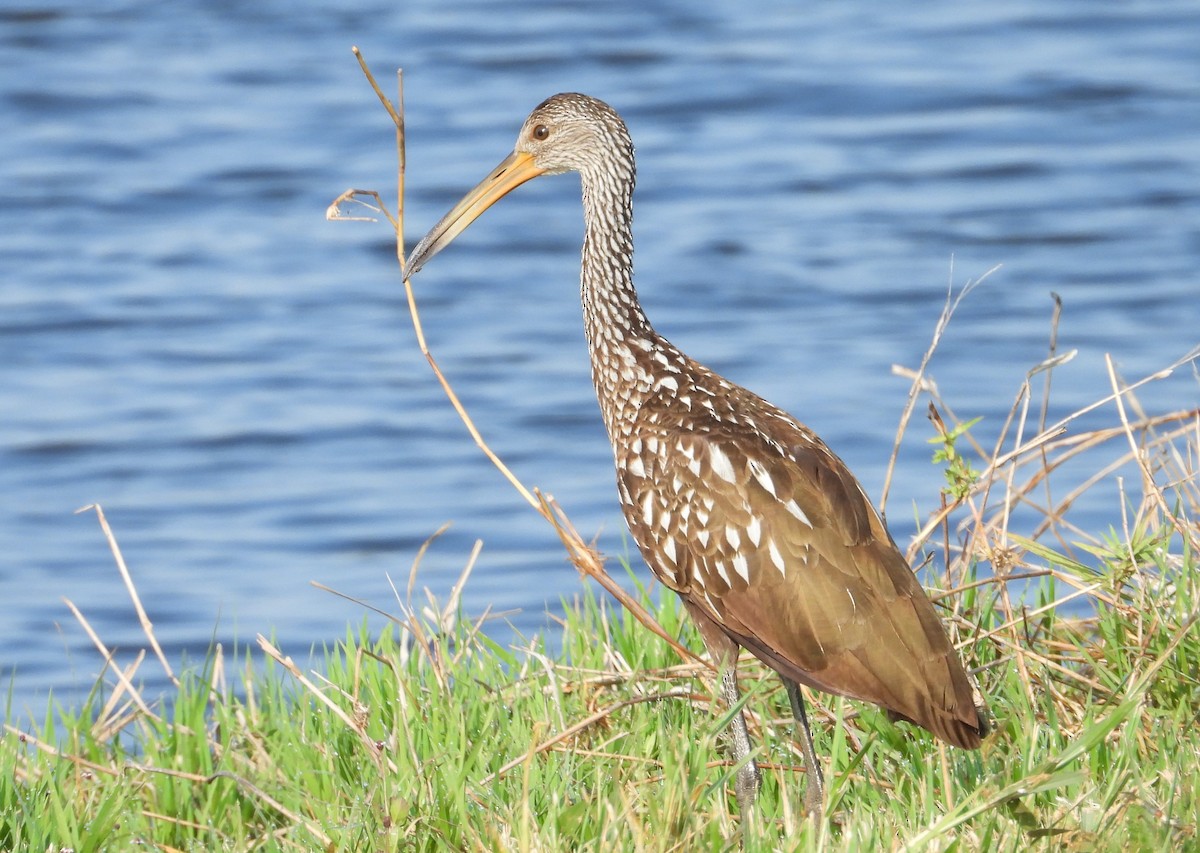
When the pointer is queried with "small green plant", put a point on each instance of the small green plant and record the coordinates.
(960, 475)
(1124, 554)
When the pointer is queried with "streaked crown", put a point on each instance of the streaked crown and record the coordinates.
(572, 132)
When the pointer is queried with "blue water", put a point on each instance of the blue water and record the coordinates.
(185, 340)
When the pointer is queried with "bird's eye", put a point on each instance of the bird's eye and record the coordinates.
(540, 132)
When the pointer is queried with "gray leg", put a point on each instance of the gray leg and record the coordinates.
(748, 778)
(724, 652)
(814, 793)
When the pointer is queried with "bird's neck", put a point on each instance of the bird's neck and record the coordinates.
(620, 338)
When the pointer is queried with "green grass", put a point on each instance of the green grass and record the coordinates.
(1098, 747)
(430, 736)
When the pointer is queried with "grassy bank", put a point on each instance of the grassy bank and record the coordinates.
(446, 741)
(429, 736)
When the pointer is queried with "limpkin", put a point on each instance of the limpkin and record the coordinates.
(740, 509)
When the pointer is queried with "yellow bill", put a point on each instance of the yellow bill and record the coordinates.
(516, 169)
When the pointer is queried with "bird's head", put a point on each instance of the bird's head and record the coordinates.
(573, 133)
(564, 133)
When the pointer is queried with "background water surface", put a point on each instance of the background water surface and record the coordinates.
(185, 340)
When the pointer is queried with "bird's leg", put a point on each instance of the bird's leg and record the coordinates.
(749, 779)
(814, 793)
(724, 653)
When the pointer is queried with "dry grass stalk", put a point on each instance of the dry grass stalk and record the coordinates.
(147, 625)
(584, 556)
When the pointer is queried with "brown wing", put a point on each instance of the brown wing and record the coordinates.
(773, 538)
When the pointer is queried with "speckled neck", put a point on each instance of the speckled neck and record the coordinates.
(619, 336)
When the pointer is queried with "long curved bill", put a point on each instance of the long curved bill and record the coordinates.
(516, 169)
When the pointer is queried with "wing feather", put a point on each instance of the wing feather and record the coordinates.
(776, 541)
